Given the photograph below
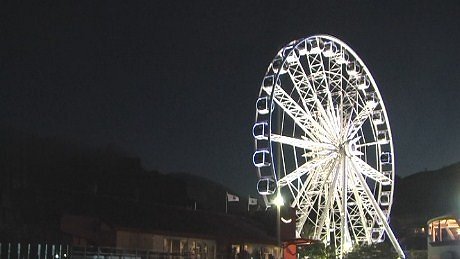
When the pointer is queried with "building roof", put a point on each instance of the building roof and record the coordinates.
(183, 222)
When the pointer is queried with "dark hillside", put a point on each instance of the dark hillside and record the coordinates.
(428, 194)
(43, 178)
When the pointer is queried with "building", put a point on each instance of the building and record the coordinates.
(172, 231)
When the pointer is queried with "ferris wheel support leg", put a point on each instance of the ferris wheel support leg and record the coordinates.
(382, 217)
(344, 227)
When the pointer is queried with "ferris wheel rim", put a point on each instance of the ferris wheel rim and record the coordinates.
(353, 160)
(367, 73)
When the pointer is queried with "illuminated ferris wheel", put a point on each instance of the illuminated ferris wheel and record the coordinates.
(324, 143)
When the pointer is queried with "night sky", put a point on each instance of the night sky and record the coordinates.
(175, 82)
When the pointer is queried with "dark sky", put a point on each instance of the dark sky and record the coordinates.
(175, 82)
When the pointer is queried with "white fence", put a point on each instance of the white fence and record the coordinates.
(26, 251)
(11, 250)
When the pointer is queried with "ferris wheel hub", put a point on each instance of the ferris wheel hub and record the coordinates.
(350, 149)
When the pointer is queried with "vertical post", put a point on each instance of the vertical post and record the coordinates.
(46, 250)
(278, 189)
(19, 250)
(440, 231)
(52, 251)
(278, 225)
(60, 251)
(226, 203)
(9, 250)
(344, 206)
(38, 251)
(28, 251)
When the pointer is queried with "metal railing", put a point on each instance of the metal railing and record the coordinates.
(9, 250)
(84, 252)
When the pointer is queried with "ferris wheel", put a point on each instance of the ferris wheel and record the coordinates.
(323, 142)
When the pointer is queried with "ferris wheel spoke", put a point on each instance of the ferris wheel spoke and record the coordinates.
(303, 169)
(333, 114)
(367, 170)
(358, 212)
(325, 117)
(315, 184)
(335, 219)
(335, 77)
(305, 200)
(361, 195)
(301, 84)
(309, 98)
(319, 78)
(302, 118)
(341, 229)
(369, 211)
(301, 194)
(303, 143)
(352, 101)
(315, 193)
(329, 194)
(360, 118)
(319, 81)
(380, 215)
(367, 144)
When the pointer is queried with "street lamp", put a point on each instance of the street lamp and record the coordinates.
(278, 201)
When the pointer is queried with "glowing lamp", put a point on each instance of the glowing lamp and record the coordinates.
(278, 201)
